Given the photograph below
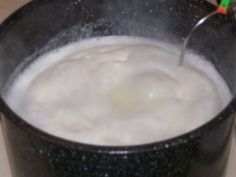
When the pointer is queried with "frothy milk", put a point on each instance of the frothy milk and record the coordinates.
(118, 91)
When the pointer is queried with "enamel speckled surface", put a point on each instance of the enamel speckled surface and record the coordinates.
(7, 6)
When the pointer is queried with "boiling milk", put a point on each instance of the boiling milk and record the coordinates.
(118, 91)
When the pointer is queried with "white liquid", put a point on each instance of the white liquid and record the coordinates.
(118, 91)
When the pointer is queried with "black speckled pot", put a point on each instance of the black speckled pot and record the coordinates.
(47, 24)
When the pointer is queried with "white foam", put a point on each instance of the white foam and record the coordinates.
(118, 91)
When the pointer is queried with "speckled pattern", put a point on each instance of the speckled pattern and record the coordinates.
(198, 156)
(33, 153)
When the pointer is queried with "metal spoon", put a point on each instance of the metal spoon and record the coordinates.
(186, 41)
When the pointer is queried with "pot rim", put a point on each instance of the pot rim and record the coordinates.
(159, 145)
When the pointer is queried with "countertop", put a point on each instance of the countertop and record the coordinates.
(6, 8)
